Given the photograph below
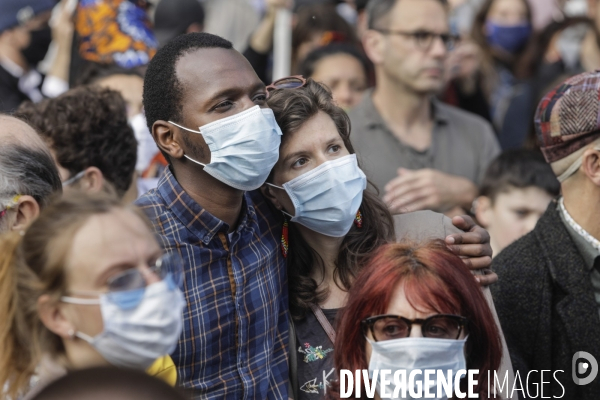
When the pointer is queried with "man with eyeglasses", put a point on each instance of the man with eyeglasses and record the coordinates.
(28, 176)
(420, 153)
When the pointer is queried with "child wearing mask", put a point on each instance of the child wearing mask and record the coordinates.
(515, 192)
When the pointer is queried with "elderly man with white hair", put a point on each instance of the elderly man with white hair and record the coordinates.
(28, 175)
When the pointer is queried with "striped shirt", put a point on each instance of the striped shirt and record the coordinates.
(235, 334)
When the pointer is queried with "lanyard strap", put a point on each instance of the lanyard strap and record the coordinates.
(324, 322)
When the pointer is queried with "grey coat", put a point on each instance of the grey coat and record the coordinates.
(544, 298)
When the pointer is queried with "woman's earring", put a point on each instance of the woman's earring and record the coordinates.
(358, 220)
(284, 238)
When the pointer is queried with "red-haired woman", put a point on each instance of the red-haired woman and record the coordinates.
(417, 307)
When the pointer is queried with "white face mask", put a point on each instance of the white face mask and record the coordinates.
(137, 331)
(243, 148)
(417, 353)
(146, 147)
(327, 198)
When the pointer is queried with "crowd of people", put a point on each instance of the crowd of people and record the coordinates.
(419, 193)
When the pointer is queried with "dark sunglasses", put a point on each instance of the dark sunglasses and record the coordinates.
(290, 82)
(389, 327)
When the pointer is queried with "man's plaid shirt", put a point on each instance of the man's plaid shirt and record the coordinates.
(235, 333)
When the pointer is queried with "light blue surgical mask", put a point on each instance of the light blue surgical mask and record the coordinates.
(327, 198)
(243, 148)
(417, 353)
(140, 325)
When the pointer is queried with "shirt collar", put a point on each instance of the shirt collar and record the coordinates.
(191, 214)
(588, 246)
(372, 118)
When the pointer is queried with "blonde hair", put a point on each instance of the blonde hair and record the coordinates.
(32, 265)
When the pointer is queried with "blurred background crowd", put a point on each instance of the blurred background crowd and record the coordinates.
(502, 56)
(440, 95)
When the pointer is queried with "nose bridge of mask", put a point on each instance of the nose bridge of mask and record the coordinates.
(417, 352)
(295, 186)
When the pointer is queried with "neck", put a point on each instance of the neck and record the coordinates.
(582, 205)
(407, 114)
(327, 248)
(79, 355)
(400, 106)
(14, 55)
(220, 200)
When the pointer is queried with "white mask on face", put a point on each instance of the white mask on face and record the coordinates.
(137, 331)
(243, 147)
(327, 198)
(417, 353)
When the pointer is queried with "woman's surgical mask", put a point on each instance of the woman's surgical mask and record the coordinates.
(327, 198)
(510, 38)
(141, 324)
(419, 353)
(243, 147)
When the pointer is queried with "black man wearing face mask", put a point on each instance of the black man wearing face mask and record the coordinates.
(24, 40)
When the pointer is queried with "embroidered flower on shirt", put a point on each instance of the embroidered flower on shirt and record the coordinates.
(313, 353)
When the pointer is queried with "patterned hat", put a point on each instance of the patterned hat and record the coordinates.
(568, 118)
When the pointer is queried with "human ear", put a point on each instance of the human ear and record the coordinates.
(483, 210)
(269, 193)
(164, 136)
(591, 165)
(27, 209)
(373, 43)
(93, 180)
(53, 317)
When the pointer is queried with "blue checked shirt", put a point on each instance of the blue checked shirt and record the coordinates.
(235, 332)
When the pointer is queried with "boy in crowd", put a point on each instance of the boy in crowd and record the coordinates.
(515, 192)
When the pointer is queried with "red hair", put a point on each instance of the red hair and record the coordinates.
(435, 280)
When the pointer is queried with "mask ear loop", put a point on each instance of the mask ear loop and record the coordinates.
(279, 187)
(189, 130)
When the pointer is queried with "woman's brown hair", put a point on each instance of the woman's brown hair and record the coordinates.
(292, 108)
(32, 265)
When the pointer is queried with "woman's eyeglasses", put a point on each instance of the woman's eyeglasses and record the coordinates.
(441, 326)
(291, 82)
(169, 265)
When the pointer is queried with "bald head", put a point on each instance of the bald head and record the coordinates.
(14, 131)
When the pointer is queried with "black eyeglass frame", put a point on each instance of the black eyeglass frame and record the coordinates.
(369, 323)
(448, 39)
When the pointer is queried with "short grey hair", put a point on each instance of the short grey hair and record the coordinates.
(27, 171)
(377, 10)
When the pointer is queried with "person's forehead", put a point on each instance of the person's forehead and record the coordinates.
(204, 72)
(408, 14)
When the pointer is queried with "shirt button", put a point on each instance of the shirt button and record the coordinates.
(206, 239)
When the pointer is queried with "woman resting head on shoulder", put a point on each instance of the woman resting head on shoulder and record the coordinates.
(417, 307)
(86, 285)
(331, 222)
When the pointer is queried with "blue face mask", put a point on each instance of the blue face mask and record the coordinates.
(243, 147)
(327, 198)
(510, 38)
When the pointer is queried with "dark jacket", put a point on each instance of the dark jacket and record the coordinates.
(545, 302)
(10, 94)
